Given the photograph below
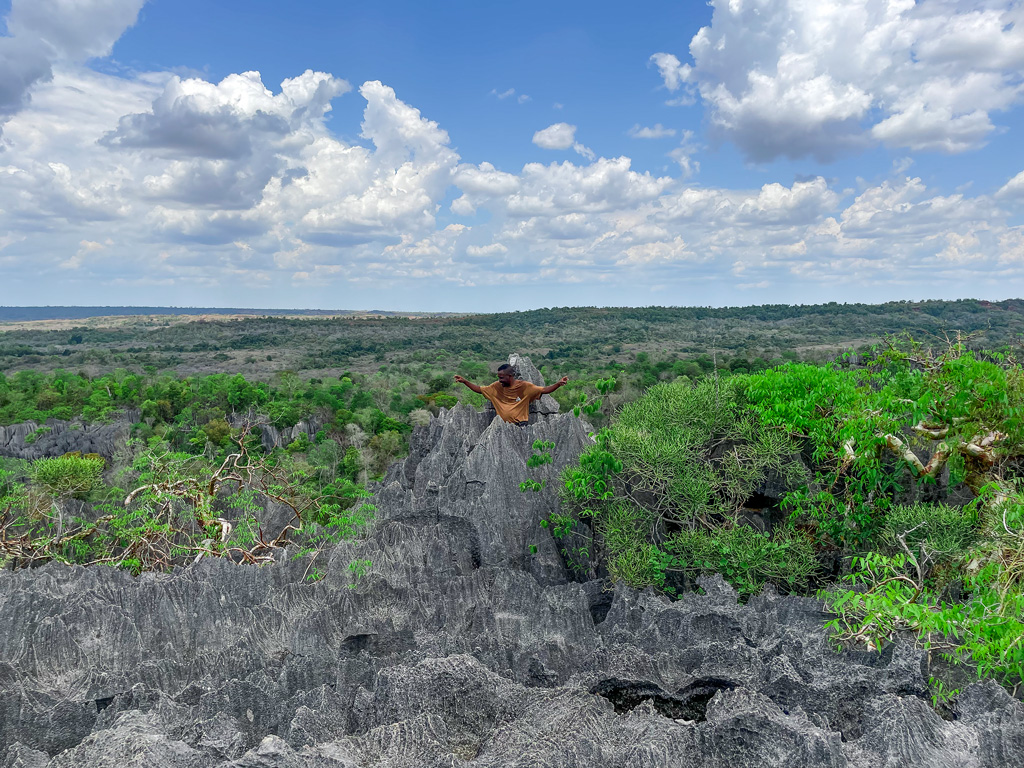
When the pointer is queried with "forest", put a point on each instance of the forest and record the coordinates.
(870, 455)
(258, 347)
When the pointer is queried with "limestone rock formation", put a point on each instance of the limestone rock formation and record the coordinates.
(459, 646)
(31, 440)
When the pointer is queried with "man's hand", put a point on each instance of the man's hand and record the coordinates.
(470, 384)
(552, 387)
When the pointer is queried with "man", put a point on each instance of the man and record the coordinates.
(510, 396)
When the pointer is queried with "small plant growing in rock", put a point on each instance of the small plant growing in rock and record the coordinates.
(359, 569)
(541, 455)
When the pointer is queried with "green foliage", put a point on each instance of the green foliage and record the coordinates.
(217, 431)
(541, 456)
(630, 552)
(746, 558)
(825, 408)
(67, 476)
(591, 405)
(359, 569)
(942, 530)
(666, 484)
(696, 450)
(591, 480)
(889, 597)
(35, 434)
(332, 525)
(183, 507)
(858, 427)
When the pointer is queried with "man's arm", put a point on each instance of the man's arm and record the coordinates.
(560, 383)
(475, 387)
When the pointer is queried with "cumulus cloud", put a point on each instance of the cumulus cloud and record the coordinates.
(557, 136)
(672, 71)
(116, 179)
(787, 77)
(85, 248)
(1014, 188)
(683, 155)
(657, 131)
(193, 117)
(561, 136)
(494, 249)
(43, 33)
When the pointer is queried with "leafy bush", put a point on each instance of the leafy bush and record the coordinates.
(67, 476)
(747, 558)
(943, 530)
(665, 487)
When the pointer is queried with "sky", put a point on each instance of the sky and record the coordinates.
(468, 156)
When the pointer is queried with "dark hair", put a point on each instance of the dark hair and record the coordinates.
(506, 367)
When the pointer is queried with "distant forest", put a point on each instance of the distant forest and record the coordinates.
(578, 338)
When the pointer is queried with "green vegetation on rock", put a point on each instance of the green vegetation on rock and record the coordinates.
(800, 475)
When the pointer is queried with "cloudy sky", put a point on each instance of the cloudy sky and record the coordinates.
(466, 155)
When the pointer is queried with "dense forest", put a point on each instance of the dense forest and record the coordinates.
(258, 347)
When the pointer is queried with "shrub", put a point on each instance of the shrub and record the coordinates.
(747, 558)
(666, 484)
(67, 476)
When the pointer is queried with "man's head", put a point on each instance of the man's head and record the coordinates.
(506, 375)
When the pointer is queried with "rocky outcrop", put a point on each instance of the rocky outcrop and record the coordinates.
(31, 440)
(458, 646)
(271, 437)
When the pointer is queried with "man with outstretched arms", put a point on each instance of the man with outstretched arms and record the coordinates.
(511, 397)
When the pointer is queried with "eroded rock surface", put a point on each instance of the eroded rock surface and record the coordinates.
(459, 647)
(32, 440)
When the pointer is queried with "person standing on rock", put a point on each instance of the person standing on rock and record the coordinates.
(511, 397)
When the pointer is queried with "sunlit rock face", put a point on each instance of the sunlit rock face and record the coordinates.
(460, 646)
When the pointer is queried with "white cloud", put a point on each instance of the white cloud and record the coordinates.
(503, 94)
(902, 210)
(683, 155)
(43, 33)
(791, 77)
(604, 185)
(494, 249)
(195, 118)
(1014, 188)
(561, 136)
(84, 249)
(658, 131)
(557, 136)
(802, 203)
(961, 248)
(657, 251)
(672, 71)
(162, 206)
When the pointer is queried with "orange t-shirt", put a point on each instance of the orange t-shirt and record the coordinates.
(513, 402)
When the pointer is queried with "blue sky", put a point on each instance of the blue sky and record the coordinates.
(474, 156)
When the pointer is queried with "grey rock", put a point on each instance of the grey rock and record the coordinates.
(274, 752)
(458, 647)
(135, 739)
(20, 756)
(59, 437)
